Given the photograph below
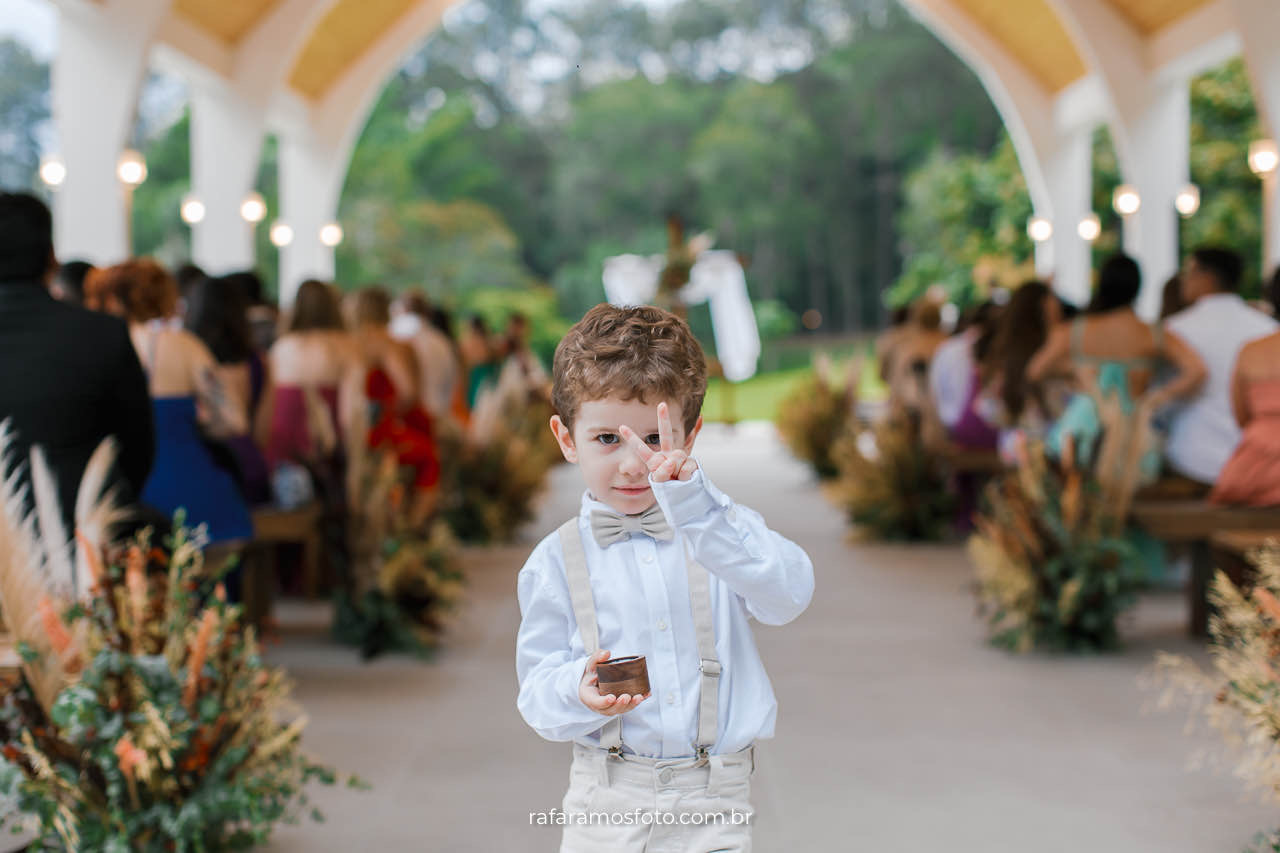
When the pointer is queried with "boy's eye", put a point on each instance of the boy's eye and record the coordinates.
(607, 438)
(653, 439)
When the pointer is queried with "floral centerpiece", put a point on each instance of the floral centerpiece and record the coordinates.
(145, 719)
(494, 470)
(891, 487)
(1240, 698)
(405, 577)
(817, 413)
(1053, 569)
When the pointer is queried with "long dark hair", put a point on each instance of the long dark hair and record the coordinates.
(315, 306)
(218, 314)
(1020, 332)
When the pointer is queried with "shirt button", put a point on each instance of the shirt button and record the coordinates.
(646, 558)
(664, 775)
(662, 624)
(671, 698)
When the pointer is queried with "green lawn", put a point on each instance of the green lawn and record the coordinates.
(757, 399)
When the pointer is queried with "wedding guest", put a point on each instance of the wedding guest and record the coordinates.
(80, 380)
(68, 282)
(1010, 399)
(1252, 475)
(479, 358)
(1171, 298)
(312, 362)
(955, 382)
(189, 403)
(1111, 351)
(217, 313)
(434, 351)
(1203, 432)
(910, 357)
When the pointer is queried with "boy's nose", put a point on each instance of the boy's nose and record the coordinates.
(632, 465)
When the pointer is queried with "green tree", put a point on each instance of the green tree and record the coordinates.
(24, 109)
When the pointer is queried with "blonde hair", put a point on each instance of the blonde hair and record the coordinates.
(635, 353)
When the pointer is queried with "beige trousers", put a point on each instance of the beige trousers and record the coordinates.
(645, 805)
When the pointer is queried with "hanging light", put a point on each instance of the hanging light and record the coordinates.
(1126, 200)
(281, 234)
(192, 209)
(131, 168)
(1089, 227)
(331, 234)
(1187, 201)
(52, 171)
(254, 208)
(1039, 229)
(1264, 157)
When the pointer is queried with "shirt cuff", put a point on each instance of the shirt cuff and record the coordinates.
(688, 500)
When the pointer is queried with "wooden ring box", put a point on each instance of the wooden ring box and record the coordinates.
(628, 675)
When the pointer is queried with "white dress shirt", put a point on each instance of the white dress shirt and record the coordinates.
(1202, 431)
(641, 593)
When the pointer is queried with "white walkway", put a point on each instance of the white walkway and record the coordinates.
(899, 729)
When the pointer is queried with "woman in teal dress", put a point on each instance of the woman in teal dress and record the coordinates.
(1113, 357)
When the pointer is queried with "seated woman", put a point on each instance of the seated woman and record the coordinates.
(1114, 355)
(396, 420)
(188, 401)
(909, 361)
(218, 314)
(1009, 398)
(955, 381)
(1252, 474)
(310, 365)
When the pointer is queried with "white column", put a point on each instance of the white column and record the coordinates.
(1159, 143)
(226, 143)
(311, 177)
(102, 54)
(1259, 28)
(1151, 128)
(1069, 177)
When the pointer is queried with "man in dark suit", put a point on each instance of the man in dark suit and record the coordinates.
(68, 377)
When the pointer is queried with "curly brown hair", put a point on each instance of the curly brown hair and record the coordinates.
(641, 353)
(141, 288)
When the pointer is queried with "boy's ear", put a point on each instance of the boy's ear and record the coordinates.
(693, 434)
(564, 437)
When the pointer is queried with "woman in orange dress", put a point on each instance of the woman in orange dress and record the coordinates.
(1252, 474)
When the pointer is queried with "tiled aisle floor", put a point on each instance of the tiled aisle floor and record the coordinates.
(899, 730)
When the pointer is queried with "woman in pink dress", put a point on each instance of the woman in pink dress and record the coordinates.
(1252, 475)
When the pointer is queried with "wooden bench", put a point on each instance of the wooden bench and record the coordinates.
(276, 526)
(1196, 523)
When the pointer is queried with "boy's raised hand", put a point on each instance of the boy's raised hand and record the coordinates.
(667, 462)
(606, 704)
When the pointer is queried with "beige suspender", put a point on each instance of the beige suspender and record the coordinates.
(584, 610)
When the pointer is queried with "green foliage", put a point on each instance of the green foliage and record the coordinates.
(537, 303)
(174, 736)
(964, 223)
(24, 106)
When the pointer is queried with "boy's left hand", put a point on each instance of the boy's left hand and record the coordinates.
(667, 462)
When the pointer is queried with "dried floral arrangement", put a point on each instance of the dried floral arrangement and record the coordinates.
(145, 719)
(1054, 571)
(891, 487)
(405, 578)
(1240, 697)
(494, 470)
(817, 413)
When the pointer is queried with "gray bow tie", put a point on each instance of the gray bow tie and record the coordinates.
(608, 527)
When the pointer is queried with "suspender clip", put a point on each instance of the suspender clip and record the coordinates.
(710, 667)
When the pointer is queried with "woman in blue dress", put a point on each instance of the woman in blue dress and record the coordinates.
(188, 402)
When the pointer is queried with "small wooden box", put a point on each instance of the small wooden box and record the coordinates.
(628, 675)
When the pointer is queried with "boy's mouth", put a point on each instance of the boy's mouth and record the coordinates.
(632, 490)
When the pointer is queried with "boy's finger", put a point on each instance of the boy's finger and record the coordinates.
(641, 449)
(687, 469)
(666, 441)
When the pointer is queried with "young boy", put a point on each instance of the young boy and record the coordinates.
(660, 563)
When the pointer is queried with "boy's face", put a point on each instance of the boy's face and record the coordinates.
(614, 473)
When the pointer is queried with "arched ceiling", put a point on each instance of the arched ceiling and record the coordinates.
(1030, 30)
